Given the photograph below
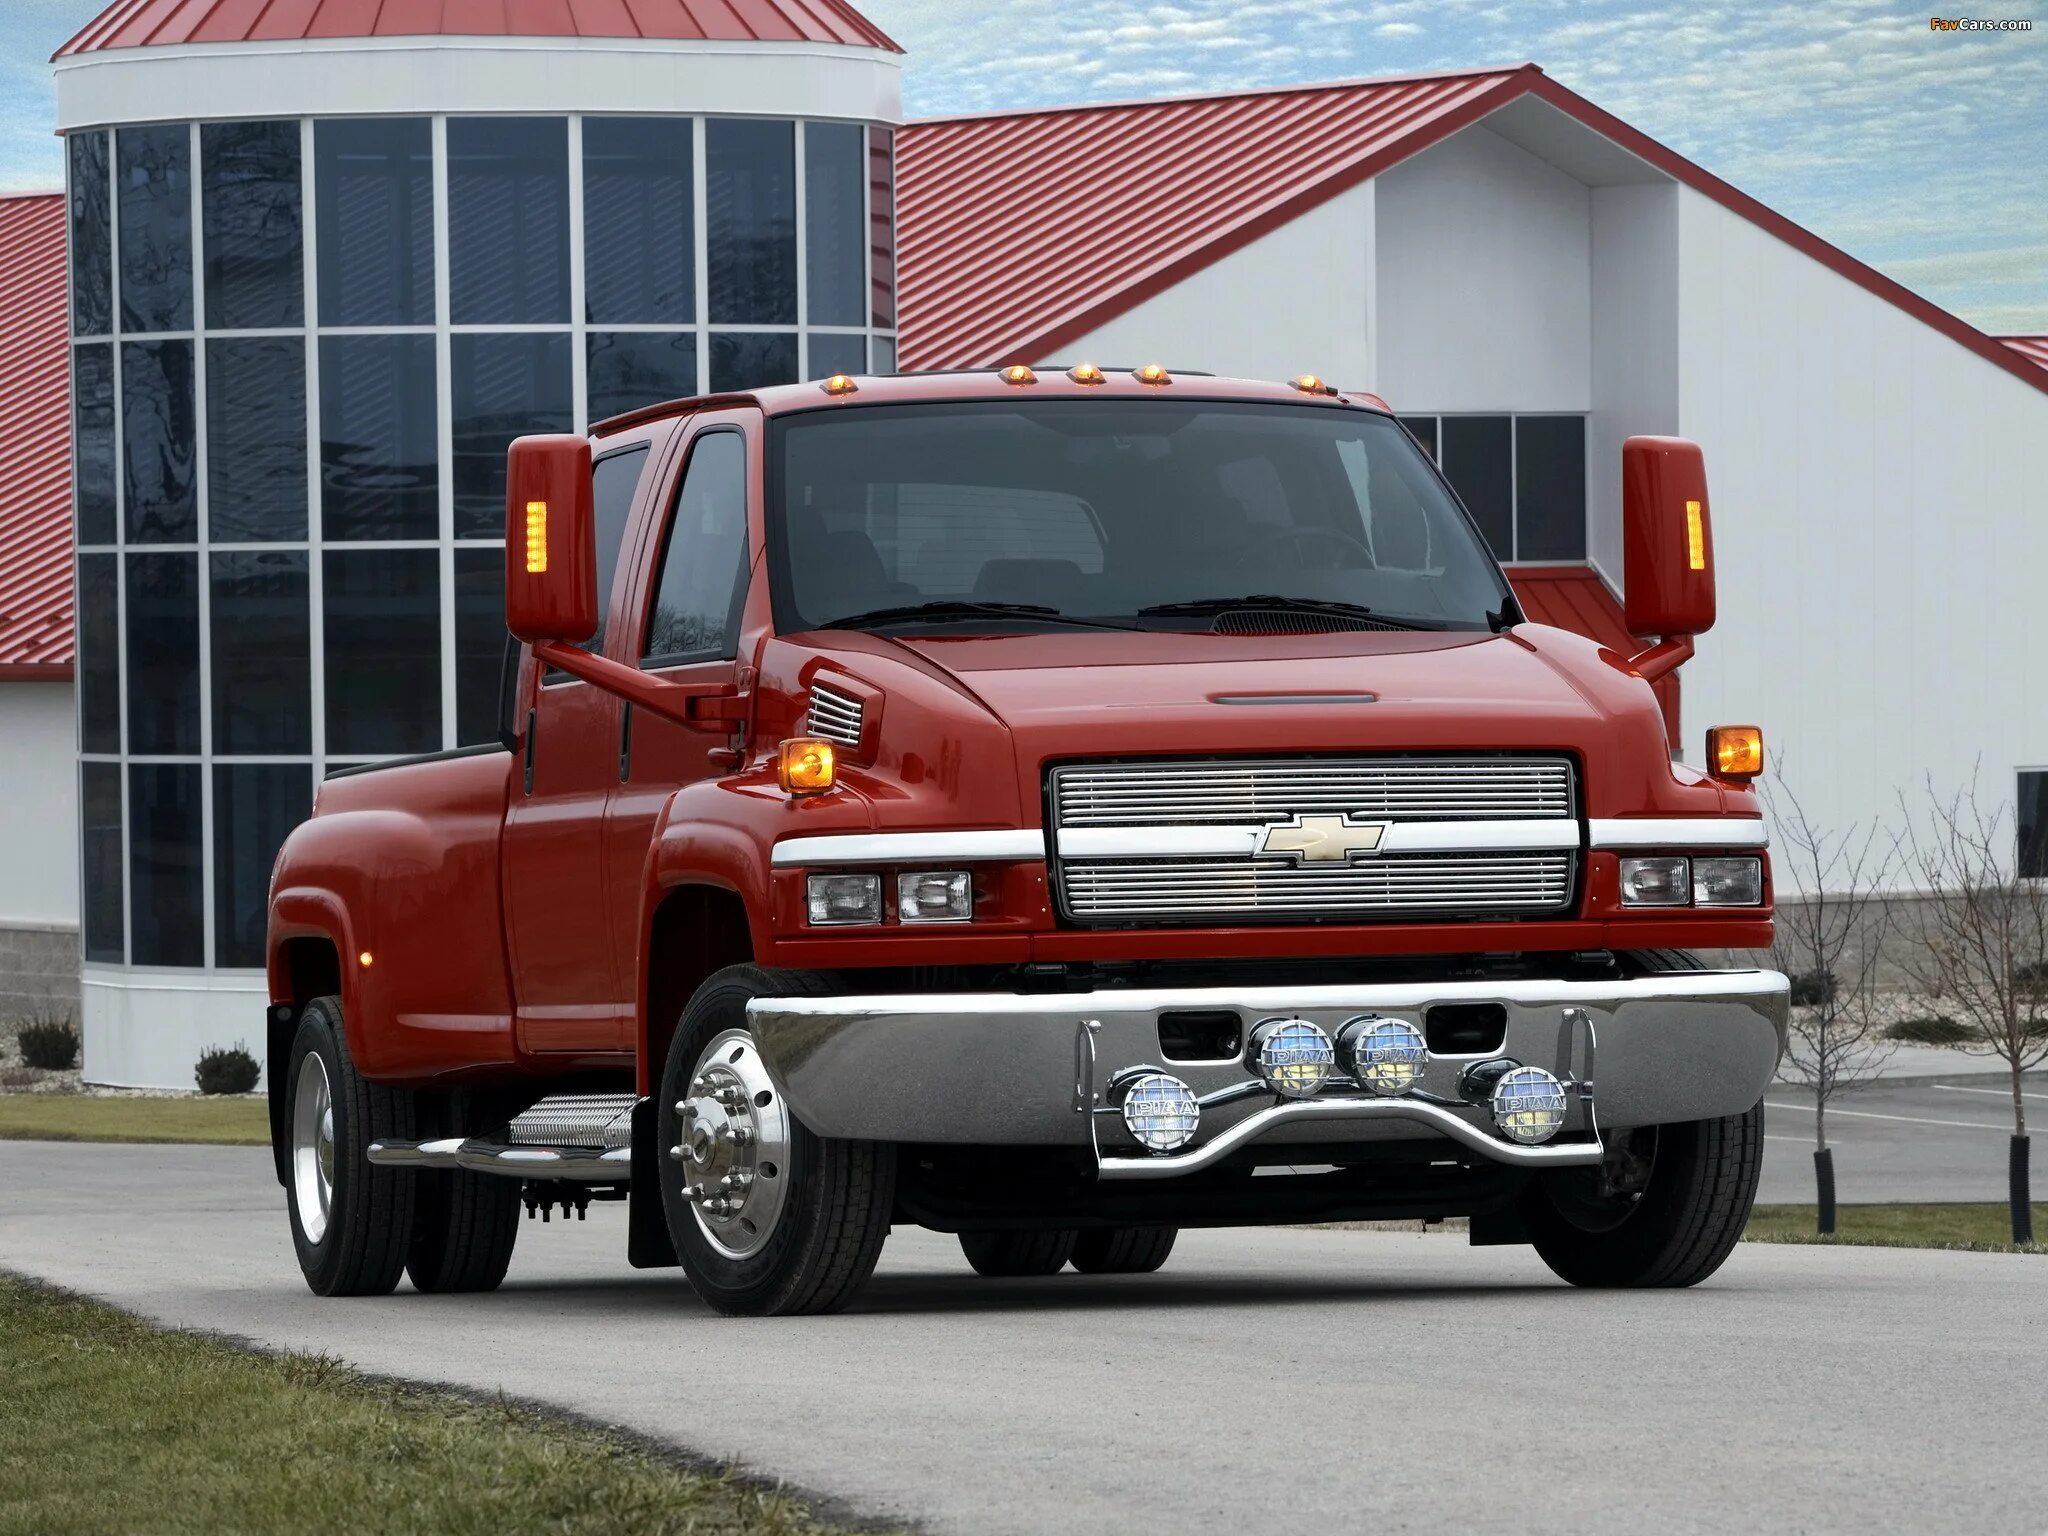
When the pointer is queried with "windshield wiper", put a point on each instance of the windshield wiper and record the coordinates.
(1207, 605)
(946, 609)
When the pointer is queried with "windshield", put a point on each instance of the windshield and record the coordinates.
(1167, 514)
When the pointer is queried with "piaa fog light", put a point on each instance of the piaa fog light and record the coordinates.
(1292, 1056)
(1528, 1105)
(1161, 1112)
(1385, 1055)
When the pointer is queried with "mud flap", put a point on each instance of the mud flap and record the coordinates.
(647, 1240)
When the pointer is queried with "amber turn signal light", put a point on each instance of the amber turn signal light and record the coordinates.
(805, 765)
(1735, 751)
(536, 538)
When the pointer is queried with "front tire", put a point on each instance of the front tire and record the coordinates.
(351, 1220)
(775, 1220)
(1675, 1231)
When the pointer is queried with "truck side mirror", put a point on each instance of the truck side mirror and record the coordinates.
(1667, 539)
(550, 541)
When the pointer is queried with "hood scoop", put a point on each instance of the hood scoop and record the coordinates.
(1291, 621)
(835, 715)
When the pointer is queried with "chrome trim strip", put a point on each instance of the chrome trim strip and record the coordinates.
(1680, 832)
(1252, 1127)
(910, 847)
(1195, 840)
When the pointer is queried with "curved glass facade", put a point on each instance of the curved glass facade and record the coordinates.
(299, 350)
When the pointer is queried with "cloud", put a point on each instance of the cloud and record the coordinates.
(1398, 29)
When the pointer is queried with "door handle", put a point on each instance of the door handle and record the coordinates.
(532, 719)
(626, 742)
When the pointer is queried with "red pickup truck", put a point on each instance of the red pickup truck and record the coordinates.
(1053, 807)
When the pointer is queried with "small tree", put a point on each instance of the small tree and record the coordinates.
(1982, 936)
(1831, 939)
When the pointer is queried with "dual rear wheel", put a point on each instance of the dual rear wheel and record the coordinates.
(1094, 1251)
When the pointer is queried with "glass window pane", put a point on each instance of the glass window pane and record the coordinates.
(157, 441)
(382, 626)
(92, 428)
(750, 360)
(639, 222)
(503, 387)
(629, 369)
(92, 236)
(166, 887)
(256, 439)
(837, 354)
(2033, 825)
(613, 481)
(105, 914)
(1476, 460)
(885, 354)
(163, 653)
(835, 244)
(373, 184)
(379, 468)
(697, 605)
(750, 214)
(255, 807)
(1423, 429)
(1550, 487)
(882, 224)
(99, 653)
(262, 677)
(249, 190)
(480, 639)
(156, 228)
(508, 220)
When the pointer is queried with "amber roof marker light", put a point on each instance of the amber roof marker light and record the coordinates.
(1312, 384)
(1152, 373)
(839, 384)
(1085, 373)
(1017, 373)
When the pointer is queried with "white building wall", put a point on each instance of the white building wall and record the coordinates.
(1485, 281)
(1880, 498)
(1293, 301)
(1634, 346)
(38, 807)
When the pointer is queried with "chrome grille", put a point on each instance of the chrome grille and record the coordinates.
(1373, 789)
(1189, 888)
(1142, 843)
(834, 715)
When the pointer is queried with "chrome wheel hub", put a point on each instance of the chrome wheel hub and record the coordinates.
(313, 1148)
(732, 1146)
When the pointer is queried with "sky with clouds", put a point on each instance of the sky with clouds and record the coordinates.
(1924, 153)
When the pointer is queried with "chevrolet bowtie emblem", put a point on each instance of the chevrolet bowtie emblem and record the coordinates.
(1323, 839)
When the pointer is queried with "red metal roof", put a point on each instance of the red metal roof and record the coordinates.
(35, 442)
(2033, 348)
(142, 23)
(1574, 597)
(1019, 232)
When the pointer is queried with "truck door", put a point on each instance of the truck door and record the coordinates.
(573, 990)
(694, 576)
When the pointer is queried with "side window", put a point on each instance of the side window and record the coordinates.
(704, 564)
(613, 480)
(2033, 824)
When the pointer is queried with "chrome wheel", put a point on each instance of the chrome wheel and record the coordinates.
(313, 1147)
(733, 1146)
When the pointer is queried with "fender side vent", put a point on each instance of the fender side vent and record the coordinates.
(835, 716)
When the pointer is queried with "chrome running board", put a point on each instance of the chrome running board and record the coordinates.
(574, 1138)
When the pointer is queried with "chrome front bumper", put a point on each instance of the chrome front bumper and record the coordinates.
(1010, 1069)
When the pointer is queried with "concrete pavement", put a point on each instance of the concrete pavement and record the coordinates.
(1279, 1380)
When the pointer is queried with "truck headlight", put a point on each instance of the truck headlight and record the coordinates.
(935, 896)
(1728, 882)
(1663, 880)
(840, 900)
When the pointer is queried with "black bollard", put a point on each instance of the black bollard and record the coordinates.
(2022, 1195)
(1824, 1181)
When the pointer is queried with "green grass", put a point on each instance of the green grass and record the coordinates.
(84, 1117)
(114, 1426)
(1972, 1228)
